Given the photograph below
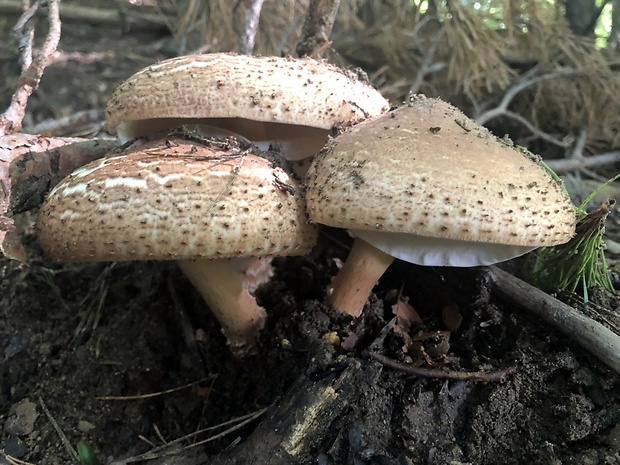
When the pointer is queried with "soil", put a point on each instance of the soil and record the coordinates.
(73, 336)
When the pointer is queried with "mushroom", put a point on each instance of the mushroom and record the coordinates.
(296, 103)
(427, 185)
(205, 205)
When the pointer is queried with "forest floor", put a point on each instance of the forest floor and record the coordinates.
(71, 335)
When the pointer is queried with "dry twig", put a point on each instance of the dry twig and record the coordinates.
(428, 65)
(247, 37)
(477, 376)
(317, 27)
(11, 119)
(583, 164)
(525, 82)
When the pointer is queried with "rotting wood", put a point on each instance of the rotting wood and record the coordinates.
(301, 425)
(591, 335)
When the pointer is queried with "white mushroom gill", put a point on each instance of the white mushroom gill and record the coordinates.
(436, 251)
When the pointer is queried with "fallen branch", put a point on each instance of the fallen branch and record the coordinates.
(591, 335)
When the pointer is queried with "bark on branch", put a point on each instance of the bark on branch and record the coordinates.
(318, 27)
(31, 165)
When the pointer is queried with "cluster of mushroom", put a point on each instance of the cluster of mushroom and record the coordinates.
(421, 183)
(219, 199)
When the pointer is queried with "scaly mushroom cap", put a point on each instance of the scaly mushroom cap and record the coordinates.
(427, 169)
(237, 91)
(175, 199)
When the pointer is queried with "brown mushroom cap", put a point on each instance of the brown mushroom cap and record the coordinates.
(175, 199)
(241, 93)
(428, 170)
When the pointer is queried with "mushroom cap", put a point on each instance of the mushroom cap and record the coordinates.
(231, 89)
(427, 169)
(175, 199)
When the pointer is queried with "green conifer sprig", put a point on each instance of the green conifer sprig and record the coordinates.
(580, 263)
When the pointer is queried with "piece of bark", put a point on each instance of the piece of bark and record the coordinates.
(30, 166)
(591, 335)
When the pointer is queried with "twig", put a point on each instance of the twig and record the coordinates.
(168, 449)
(155, 394)
(317, 27)
(70, 124)
(576, 161)
(11, 119)
(14, 461)
(427, 66)
(593, 336)
(73, 13)
(502, 108)
(476, 376)
(248, 35)
(23, 33)
(523, 84)
(581, 163)
(63, 438)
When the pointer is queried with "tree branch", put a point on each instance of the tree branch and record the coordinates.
(580, 163)
(591, 335)
(317, 27)
(247, 37)
(11, 119)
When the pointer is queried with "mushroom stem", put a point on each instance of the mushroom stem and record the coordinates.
(361, 271)
(221, 285)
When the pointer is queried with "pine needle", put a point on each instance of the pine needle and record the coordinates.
(580, 263)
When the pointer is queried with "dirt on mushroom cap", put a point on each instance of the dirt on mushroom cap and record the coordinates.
(175, 199)
(222, 85)
(427, 169)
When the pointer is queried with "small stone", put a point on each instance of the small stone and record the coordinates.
(85, 426)
(21, 418)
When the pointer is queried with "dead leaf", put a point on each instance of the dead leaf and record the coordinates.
(406, 316)
(451, 316)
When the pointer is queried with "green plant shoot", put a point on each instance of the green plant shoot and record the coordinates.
(86, 453)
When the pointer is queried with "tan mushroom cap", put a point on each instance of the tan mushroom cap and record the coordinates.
(175, 199)
(235, 90)
(429, 170)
